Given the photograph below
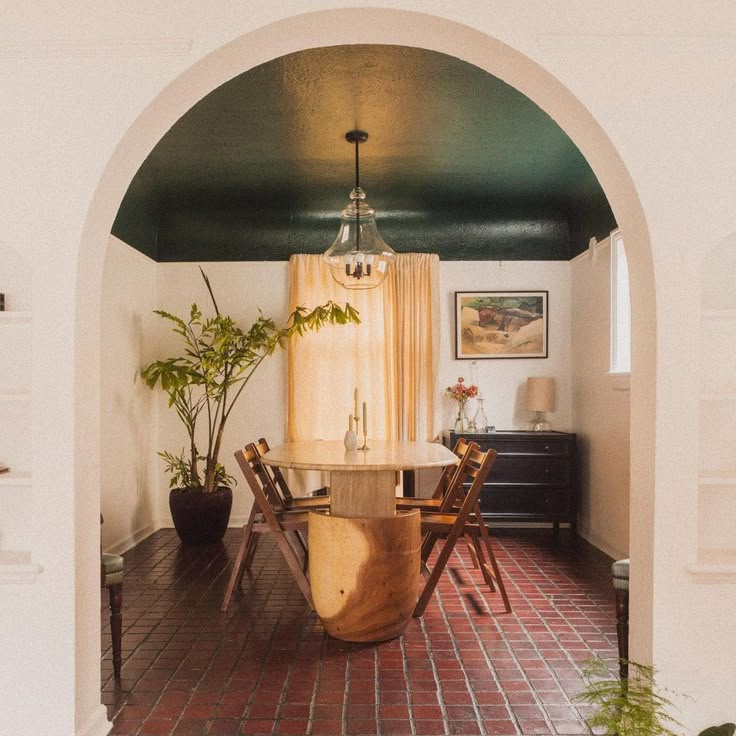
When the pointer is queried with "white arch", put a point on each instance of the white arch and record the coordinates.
(372, 25)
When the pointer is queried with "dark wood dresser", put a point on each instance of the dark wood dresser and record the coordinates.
(534, 478)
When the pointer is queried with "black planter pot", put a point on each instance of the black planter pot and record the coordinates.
(200, 518)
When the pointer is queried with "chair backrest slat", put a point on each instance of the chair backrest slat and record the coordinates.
(245, 459)
(476, 465)
(445, 480)
(260, 476)
(462, 471)
(261, 471)
(262, 448)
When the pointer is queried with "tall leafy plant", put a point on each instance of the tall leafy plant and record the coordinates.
(204, 383)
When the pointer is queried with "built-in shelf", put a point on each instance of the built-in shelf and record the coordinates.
(704, 573)
(718, 314)
(717, 477)
(14, 317)
(15, 395)
(15, 479)
(714, 566)
(16, 567)
(718, 396)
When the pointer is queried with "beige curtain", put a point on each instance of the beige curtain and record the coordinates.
(391, 357)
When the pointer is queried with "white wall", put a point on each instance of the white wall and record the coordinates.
(600, 408)
(502, 381)
(129, 487)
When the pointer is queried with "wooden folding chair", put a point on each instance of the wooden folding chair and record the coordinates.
(443, 484)
(317, 499)
(438, 500)
(450, 525)
(267, 517)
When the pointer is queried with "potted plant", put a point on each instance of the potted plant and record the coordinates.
(203, 384)
(631, 706)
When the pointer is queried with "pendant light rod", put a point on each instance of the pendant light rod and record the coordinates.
(357, 137)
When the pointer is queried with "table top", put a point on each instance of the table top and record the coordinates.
(383, 455)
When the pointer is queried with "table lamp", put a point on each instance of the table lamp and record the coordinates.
(540, 397)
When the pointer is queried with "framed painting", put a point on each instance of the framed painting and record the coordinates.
(500, 324)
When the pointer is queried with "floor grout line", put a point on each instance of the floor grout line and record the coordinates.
(189, 669)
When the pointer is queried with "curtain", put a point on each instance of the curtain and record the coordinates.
(391, 357)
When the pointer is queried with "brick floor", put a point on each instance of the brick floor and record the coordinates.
(266, 666)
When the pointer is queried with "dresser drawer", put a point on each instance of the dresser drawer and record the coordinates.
(523, 446)
(534, 477)
(553, 470)
(541, 501)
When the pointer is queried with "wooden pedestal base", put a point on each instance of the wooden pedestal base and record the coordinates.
(364, 574)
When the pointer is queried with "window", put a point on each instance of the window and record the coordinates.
(620, 307)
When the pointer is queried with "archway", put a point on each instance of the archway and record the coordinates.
(387, 27)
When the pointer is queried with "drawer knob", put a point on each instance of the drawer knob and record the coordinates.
(547, 471)
(546, 448)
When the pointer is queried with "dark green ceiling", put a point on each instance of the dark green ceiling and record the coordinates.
(457, 162)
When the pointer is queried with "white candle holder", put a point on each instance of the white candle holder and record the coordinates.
(364, 447)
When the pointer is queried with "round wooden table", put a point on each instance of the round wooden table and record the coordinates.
(363, 556)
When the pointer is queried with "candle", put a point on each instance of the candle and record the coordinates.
(350, 422)
(356, 401)
(365, 417)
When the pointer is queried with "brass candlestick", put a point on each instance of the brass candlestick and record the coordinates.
(365, 441)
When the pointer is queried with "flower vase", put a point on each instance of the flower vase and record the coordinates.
(351, 440)
(461, 424)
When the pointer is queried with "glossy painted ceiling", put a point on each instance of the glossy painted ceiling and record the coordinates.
(457, 163)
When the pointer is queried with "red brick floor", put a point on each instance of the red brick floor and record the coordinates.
(266, 666)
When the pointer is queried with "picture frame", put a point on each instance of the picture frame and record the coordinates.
(501, 324)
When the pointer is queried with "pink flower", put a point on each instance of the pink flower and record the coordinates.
(460, 392)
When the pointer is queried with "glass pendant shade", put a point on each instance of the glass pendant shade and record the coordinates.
(359, 258)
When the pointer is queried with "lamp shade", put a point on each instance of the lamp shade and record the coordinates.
(359, 257)
(540, 394)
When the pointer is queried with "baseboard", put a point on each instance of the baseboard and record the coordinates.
(122, 546)
(97, 724)
(602, 544)
(523, 524)
(236, 522)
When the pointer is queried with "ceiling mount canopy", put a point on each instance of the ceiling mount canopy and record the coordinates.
(359, 258)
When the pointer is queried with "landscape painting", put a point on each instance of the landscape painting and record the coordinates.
(500, 324)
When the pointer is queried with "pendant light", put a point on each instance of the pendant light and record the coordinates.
(359, 258)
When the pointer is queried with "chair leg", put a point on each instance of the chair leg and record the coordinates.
(470, 543)
(482, 564)
(116, 628)
(295, 566)
(428, 543)
(622, 632)
(250, 553)
(239, 565)
(495, 572)
(437, 570)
